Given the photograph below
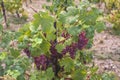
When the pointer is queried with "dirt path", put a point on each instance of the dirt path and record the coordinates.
(107, 52)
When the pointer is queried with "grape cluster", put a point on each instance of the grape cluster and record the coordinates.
(71, 49)
(82, 40)
(65, 34)
(41, 62)
(53, 50)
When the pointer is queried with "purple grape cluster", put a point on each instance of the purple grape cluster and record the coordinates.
(41, 62)
(71, 49)
(27, 52)
(82, 40)
(53, 50)
(65, 34)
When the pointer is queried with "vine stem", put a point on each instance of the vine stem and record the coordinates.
(34, 10)
(17, 13)
(4, 12)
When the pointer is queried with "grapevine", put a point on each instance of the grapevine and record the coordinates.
(53, 40)
(54, 45)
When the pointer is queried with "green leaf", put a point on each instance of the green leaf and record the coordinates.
(24, 63)
(25, 28)
(70, 16)
(96, 77)
(18, 68)
(3, 55)
(14, 52)
(89, 17)
(36, 21)
(60, 47)
(108, 76)
(1, 70)
(1, 27)
(72, 10)
(36, 42)
(21, 77)
(34, 75)
(42, 75)
(94, 70)
(45, 46)
(13, 73)
(79, 74)
(90, 32)
(47, 22)
(32, 28)
(49, 74)
(68, 64)
(72, 19)
(51, 36)
(100, 26)
(62, 17)
(74, 30)
(35, 51)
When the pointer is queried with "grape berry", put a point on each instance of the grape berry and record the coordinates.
(41, 62)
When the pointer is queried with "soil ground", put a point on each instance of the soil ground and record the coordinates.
(106, 50)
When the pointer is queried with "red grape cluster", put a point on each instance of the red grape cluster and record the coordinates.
(82, 40)
(53, 50)
(27, 52)
(41, 62)
(65, 34)
(71, 49)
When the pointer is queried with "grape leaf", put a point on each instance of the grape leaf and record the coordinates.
(60, 47)
(100, 26)
(36, 42)
(45, 46)
(79, 74)
(14, 52)
(46, 22)
(49, 73)
(3, 55)
(68, 64)
(74, 31)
